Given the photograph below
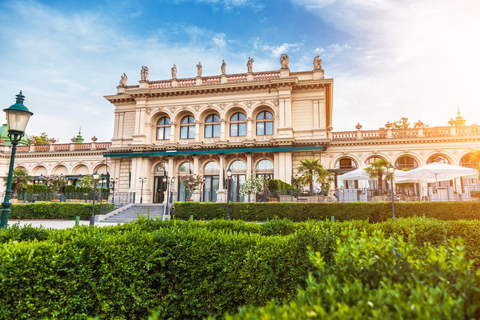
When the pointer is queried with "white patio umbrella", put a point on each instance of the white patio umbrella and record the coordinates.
(439, 172)
(357, 174)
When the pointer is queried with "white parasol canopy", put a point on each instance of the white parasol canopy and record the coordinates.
(439, 172)
(357, 174)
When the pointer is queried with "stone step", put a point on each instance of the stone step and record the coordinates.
(132, 214)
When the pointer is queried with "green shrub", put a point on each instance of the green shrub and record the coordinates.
(69, 189)
(56, 210)
(475, 193)
(378, 278)
(342, 211)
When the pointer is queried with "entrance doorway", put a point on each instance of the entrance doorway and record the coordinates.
(210, 188)
(236, 185)
(159, 187)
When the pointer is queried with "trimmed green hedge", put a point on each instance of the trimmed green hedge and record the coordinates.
(342, 211)
(191, 270)
(56, 210)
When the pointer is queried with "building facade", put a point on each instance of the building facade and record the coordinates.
(255, 124)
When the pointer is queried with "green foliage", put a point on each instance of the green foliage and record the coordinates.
(401, 124)
(342, 211)
(69, 189)
(40, 140)
(311, 170)
(378, 278)
(275, 184)
(20, 180)
(375, 170)
(36, 188)
(56, 210)
(54, 182)
(252, 185)
(86, 181)
(400, 269)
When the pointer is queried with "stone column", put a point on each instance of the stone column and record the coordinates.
(249, 165)
(197, 131)
(222, 129)
(249, 128)
(196, 164)
(172, 131)
(222, 192)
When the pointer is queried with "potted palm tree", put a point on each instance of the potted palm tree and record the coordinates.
(376, 170)
(313, 171)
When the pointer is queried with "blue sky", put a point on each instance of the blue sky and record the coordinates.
(388, 58)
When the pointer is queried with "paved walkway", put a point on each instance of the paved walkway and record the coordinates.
(56, 224)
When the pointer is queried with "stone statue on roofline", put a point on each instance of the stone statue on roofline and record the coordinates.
(199, 69)
(317, 63)
(284, 61)
(174, 72)
(250, 64)
(123, 80)
(144, 73)
(224, 67)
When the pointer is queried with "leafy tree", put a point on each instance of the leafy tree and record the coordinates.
(55, 182)
(252, 185)
(40, 140)
(87, 181)
(376, 169)
(325, 177)
(401, 124)
(311, 170)
(20, 180)
(476, 159)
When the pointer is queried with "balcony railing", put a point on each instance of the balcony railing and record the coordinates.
(406, 133)
(65, 147)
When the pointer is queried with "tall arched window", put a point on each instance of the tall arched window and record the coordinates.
(186, 167)
(163, 128)
(264, 165)
(238, 165)
(406, 162)
(345, 164)
(238, 126)
(212, 126)
(264, 124)
(438, 158)
(187, 128)
(212, 166)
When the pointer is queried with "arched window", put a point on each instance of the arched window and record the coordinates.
(160, 168)
(406, 162)
(212, 166)
(372, 159)
(238, 166)
(345, 164)
(163, 128)
(212, 126)
(186, 167)
(469, 161)
(238, 126)
(438, 158)
(264, 124)
(264, 165)
(187, 128)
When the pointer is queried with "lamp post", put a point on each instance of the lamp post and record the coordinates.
(17, 120)
(391, 170)
(142, 181)
(103, 182)
(113, 182)
(96, 176)
(166, 205)
(171, 189)
(229, 180)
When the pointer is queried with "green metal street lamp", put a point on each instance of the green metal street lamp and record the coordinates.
(17, 120)
(391, 170)
(96, 176)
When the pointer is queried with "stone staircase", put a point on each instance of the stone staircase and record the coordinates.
(131, 214)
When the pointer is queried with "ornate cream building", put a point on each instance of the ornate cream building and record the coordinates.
(256, 123)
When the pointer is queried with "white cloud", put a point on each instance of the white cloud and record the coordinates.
(414, 58)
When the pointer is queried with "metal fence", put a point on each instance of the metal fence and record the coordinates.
(118, 198)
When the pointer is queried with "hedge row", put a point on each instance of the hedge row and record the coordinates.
(56, 210)
(191, 270)
(342, 211)
(378, 278)
(184, 272)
